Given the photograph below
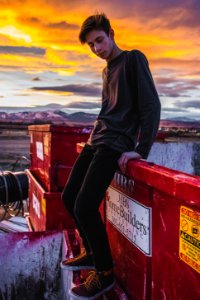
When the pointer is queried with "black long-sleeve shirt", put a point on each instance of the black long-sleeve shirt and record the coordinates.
(130, 112)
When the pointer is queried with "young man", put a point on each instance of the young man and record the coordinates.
(125, 129)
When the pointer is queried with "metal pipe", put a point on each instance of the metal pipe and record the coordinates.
(13, 187)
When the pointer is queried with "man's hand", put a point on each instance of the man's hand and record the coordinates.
(125, 157)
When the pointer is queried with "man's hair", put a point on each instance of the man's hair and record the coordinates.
(98, 21)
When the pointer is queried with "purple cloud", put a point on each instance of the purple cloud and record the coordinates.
(22, 50)
(89, 90)
(188, 104)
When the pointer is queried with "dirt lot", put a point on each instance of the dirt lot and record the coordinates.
(14, 146)
(14, 149)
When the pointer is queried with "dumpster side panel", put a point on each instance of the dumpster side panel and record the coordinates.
(46, 209)
(57, 217)
(172, 277)
(132, 266)
(173, 271)
(37, 154)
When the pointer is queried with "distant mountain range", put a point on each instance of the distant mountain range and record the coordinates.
(61, 117)
(49, 116)
(180, 123)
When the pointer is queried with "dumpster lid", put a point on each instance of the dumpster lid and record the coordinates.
(60, 128)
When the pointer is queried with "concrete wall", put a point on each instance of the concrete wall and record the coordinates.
(181, 156)
(30, 265)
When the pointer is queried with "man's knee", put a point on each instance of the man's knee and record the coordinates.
(84, 213)
(68, 198)
(81, 213)
(64, 195)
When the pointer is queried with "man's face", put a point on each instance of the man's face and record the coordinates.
(100, 43)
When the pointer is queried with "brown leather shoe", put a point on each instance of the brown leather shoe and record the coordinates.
(95, 285)
(80, 262)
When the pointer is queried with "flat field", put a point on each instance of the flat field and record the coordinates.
(14, 149)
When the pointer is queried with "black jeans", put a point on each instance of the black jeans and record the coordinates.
(82, 195)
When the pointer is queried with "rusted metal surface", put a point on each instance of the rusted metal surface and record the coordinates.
(30, 265)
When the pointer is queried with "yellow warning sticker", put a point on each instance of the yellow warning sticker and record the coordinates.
(189, 242)
(44, 206)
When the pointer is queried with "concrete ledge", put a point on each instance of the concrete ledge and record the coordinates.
(30, 265)
(180, 156)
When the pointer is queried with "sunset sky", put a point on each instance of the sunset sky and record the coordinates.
(39, 48)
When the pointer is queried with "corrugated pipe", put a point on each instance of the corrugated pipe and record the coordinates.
(13, 187)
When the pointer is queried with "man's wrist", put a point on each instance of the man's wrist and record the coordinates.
(142, 153)
(137, 153)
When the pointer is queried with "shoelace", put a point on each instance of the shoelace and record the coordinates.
(80, 256)
(92, 280)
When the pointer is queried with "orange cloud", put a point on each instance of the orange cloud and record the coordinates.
(167, 32)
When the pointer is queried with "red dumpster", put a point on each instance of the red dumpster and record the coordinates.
(53, 153)
(153, 223)
(46, 209)
(176, 232)
(175, 263)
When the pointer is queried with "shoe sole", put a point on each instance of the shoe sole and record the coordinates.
(74, 296)
(76, 268)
